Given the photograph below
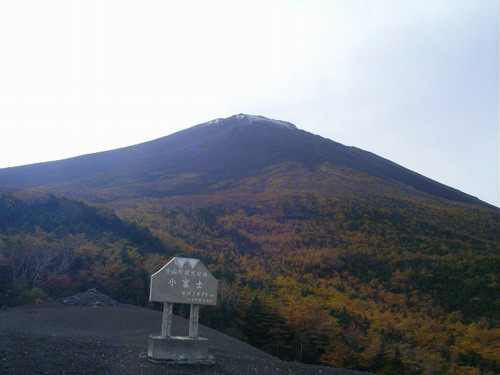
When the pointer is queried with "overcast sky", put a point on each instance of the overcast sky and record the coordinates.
(414, 81)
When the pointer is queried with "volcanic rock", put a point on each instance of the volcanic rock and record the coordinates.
(91, 297)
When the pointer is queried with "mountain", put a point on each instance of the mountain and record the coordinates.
(325, 254)
(225, 154)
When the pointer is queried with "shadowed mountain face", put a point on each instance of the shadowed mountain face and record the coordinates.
(225, 154)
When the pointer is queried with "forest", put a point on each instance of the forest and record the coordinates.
(369, 282)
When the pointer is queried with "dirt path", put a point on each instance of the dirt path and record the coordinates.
(53, 338)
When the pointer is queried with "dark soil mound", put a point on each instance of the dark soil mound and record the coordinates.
(55, 338)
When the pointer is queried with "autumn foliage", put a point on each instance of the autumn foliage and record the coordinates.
(364, 281)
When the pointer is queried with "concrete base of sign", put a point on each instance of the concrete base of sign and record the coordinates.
(179, 349)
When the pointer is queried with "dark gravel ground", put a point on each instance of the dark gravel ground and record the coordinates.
(54, 338)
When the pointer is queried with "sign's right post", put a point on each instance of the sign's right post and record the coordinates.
(193, 320)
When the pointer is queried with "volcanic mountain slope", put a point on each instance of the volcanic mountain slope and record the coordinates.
(228, 155)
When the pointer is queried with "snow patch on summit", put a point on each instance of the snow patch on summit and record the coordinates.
(252, 118)
(249, 119)
(213, 122)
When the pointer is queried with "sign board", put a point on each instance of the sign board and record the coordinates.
(184, 280)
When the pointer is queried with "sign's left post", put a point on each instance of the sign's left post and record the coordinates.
(166, 322)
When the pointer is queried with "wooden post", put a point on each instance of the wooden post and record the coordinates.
(193, 321)
(166, 323)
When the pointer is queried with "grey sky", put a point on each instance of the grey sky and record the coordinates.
(414, 81)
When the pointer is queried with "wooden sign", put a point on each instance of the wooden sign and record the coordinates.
(184, 280)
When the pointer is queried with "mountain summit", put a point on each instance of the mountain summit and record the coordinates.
(243, 119)
(228, 154)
